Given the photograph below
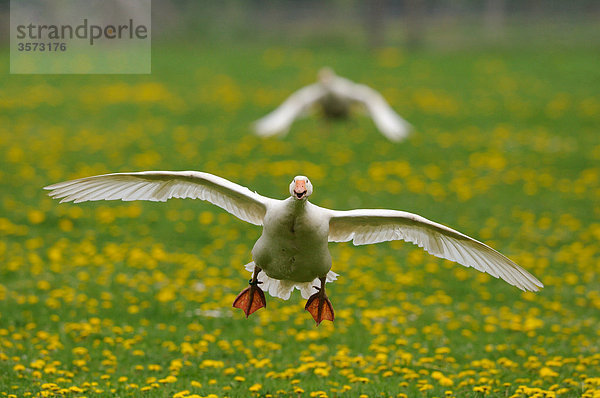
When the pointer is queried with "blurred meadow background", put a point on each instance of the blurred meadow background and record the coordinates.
(134, 299)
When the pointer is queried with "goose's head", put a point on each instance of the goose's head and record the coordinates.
(326, 75)
(301, 188)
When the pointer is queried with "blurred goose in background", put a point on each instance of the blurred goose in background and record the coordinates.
(334, 95)
(292, 251)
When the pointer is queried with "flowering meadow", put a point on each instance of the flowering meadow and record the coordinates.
(133, 299)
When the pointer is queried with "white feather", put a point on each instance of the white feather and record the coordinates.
(159, 186)
(344, 92)
(283, 288)
(366, 226)
(293, 246)
(280, 120)
(389, 123)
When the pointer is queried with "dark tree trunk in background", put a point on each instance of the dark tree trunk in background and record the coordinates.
(494, 17)
(374, 17)
(536, 8)
(415, 22)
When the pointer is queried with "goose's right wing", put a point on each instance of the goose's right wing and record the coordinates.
(280, 120)
(158, 186)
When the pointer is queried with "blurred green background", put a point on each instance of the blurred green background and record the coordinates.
(134, 299)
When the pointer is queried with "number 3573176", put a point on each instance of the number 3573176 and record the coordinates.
(42, 46)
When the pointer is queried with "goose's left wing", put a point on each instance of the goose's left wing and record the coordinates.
(365, 226)
(158, 186)
(392, 125)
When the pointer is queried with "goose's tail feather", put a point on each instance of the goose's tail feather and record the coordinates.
(283, 289)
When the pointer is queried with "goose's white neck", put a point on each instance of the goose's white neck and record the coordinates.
(296, 205)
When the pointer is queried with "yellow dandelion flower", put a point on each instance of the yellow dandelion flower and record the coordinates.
(18, 368)
(547, 372)
(37, 364)
(168, 379)
(36, 216)
(65, 225)
(323, 372)
(255, 388)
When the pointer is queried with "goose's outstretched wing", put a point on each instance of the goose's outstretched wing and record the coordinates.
(366, 226)
(280, 120)
(158, 186)
(394, 127)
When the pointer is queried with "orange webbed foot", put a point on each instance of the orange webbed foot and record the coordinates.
(250, 300)
(319, 306)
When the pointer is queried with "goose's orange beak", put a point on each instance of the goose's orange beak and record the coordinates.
(300, 189)
(300, 186)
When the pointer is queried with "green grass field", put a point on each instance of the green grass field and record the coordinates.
(134, 299)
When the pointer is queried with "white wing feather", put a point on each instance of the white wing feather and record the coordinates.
(159, 186)
(392, 125)
(365, 226)
(280, 120)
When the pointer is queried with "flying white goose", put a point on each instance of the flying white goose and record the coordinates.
(334, 95)
(292, 251)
